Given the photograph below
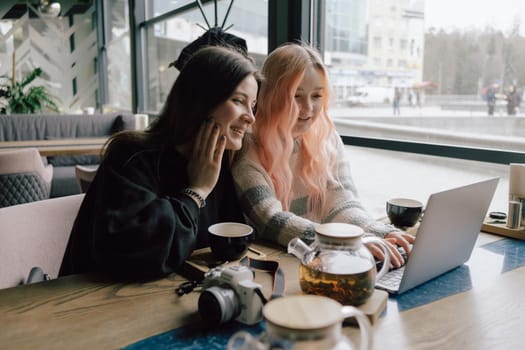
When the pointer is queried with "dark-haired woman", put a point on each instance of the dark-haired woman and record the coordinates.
(157, 191)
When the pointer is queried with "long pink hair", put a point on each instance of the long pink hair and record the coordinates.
(276, 114)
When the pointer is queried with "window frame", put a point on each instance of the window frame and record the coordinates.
(294, 20)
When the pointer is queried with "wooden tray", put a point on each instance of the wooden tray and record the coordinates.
(501, 229)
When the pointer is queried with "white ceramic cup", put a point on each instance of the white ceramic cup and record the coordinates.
(141, 121)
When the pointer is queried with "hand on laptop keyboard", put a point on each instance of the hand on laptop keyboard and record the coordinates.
(379, 263)
(395, 240)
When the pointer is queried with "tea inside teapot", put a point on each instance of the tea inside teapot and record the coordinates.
(349, 281)
(337, 264)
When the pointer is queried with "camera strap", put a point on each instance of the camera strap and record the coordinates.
(270, 266)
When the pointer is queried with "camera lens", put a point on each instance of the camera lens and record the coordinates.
(218, 305)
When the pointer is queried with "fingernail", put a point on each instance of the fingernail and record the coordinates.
(223, 138)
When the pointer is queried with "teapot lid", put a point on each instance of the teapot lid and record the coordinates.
(338, 231)
(303, 312)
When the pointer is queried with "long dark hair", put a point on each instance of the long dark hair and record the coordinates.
(207, 79)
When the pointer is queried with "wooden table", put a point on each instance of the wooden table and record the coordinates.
(60, 147)
(81, 312)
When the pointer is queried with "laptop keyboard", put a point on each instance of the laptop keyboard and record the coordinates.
(392, 279)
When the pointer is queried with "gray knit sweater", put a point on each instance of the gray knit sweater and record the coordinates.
(266, 214)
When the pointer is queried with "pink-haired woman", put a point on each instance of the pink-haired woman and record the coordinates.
(292, 172)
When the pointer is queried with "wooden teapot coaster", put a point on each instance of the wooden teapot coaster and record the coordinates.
(374, 306)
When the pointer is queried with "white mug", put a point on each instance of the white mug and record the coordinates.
(141, 121)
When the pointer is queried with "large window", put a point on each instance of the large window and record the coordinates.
(447, 74)
(371, 47)
(170, 28)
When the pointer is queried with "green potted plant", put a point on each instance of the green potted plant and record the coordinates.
(18, 97)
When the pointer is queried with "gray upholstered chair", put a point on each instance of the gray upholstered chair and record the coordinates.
(85, 174)
(35, 235)
(23, 177)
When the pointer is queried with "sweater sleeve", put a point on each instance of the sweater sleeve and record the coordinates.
(343, 202)
(260, 204)
(128, 228)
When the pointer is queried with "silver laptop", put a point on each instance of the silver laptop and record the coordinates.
(446, 235)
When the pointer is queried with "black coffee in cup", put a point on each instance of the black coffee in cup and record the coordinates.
(229, 240)
(404, 212)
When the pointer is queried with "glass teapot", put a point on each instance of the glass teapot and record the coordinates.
(304, 322)
(337, 264)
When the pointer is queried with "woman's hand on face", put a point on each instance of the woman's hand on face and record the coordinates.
(205, 163)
